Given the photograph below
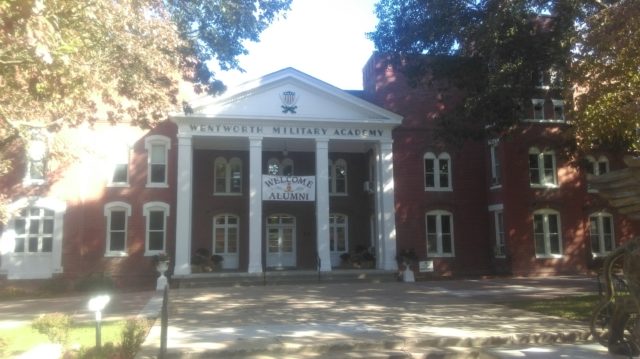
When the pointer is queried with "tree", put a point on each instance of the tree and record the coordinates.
(67, 62)
(510, 46)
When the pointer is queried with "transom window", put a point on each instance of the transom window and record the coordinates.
(117, 216)
(542, 168)
(228, 176)
(439, 234)
(338, 234)
(156, 214)
(338, 177)
(546, 232)
(157, 153)
(34, 228)
(437, 172)
(225, 234)
(601, 234)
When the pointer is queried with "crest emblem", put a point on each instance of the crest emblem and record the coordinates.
(289, 100)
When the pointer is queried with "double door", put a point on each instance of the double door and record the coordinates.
(281, 241)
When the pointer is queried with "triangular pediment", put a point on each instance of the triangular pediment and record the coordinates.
(290, 95)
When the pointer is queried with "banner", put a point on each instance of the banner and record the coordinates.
(288, 188)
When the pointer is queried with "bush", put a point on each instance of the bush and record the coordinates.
(95, 282)
(133, 335)
(55, 326)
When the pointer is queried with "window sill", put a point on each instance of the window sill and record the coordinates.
(438, 189)
(157, 185)
(118, 185)
(116, 254)
(153, 253)
(33, 182)
(495, 186)
(440, 256)
(549, 256)
(544, 186)
(224, 194)
(544, 120)
(338, 194)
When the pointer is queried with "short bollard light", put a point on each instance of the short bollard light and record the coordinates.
(97, 304)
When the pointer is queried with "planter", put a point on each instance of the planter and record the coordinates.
(162, 267)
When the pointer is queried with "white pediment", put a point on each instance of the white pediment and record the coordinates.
(314, 100)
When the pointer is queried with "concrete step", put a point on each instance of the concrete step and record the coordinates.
(228, 279)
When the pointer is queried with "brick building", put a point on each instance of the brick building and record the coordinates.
(288, 172)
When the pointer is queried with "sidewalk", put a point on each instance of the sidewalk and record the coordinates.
(438, 319)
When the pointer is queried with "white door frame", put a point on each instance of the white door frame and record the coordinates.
(281, 259)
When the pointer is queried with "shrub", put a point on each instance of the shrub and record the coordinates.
(95, 282)
(55, 326)
(133, 335)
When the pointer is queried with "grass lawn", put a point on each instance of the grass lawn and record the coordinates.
(570, 307)
(14, 341)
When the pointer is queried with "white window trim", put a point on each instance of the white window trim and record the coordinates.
(496, 176)
(546, 213)
(108, 208)
(595, 165)
(537, 102)
(149, 141)
(333, 227)
(439, 253)
(226, 227)
(333, 178)
(558, 103)
(112, 167)
(540, 154)
(146, 209)
(600, 216)
(31, 151)
(228, 174)
(436, 172)
(495, 209)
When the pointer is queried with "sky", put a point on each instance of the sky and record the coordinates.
(322, 38)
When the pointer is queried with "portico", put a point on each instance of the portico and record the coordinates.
(325, 154)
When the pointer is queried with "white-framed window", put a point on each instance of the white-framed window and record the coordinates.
(155, 214)
(542, 168)
(227, 176)
(547, 233)
(338, 177)
(117, 215)
(538, 109)
(338, 233)
(226, 232)
(497, 215)
(598, 166)
(119, 166)
(36, 157)
(276, 167)
(157, 147)
(496, 168)
(437, 172)
(34, 230)
(439, 226)
(601, 234)
(558, 110)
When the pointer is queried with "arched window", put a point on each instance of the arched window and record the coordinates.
(547, 233)
(439, 233)
(227, 176)
(277, 168)
(338, 177)
(437, 172)
(286, 169)
(542, 168)
(601, 233)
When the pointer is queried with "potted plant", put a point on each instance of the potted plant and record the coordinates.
(217, 261)
(162, 265)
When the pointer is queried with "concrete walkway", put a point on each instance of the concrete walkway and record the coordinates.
(437, 319)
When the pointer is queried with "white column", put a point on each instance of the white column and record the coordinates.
(322, 203)
(255, 205)
(184, 194)
(386, 207)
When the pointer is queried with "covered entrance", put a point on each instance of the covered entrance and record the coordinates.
(281, 241)
(335, 152)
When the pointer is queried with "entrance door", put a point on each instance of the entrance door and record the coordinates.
(281, 241)
(225, 239)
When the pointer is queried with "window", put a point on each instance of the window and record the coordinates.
(538, 109)
(338, 177)
(546, 233)
(598, 166)
(601, 233)
(225, 234)
(36, 163)
(498, 230)
(228, 176)
(542, 168)
(338, 238)
(157, 151)
(558, 110)
(117, 214)
(437, 172)
(277, 168)
(119, 174)
(495, 163)
(439, 234)
(34, 230)
(155, 214)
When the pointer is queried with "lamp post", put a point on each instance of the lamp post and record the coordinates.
(97, 304)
